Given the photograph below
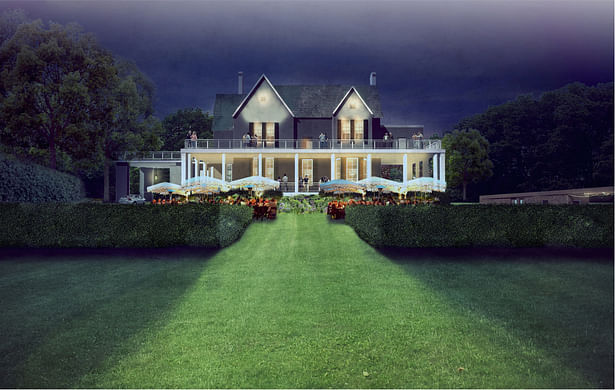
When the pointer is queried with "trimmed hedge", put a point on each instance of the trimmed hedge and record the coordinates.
(483, 226)
(24, 182)
(121, 226)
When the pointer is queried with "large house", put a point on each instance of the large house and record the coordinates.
(298, 131)
(313, 131)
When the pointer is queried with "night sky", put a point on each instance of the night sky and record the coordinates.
(436, 61)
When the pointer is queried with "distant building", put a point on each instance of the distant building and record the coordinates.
(572, 196)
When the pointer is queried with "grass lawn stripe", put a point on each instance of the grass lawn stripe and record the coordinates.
(303, 302)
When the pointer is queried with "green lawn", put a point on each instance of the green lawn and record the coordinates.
(302, 302)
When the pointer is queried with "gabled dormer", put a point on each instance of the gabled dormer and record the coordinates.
(265, 100)
(352, 105)
(264, 114)
(352, 117)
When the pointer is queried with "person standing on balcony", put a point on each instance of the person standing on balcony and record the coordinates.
(285, 182)
(323, 140)
(193, 139)
(255, 141)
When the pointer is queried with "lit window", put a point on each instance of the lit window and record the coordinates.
(307, 168)
(338, 168)
(352, 169)
(363, 168)
(254, 166)
(258, 129)
(229, 172)
(358, 129)
(269, 167)
(270, 134)
(346, 129)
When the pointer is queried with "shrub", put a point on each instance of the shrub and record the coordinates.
(483, 225)
(304, 204)
(90, 225)
(27, 182)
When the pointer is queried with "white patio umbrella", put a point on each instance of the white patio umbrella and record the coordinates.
(205, 184)
(256, 183)
(421, 184)
(164, 188)
(375, 183)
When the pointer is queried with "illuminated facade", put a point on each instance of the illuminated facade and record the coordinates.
(314, 131)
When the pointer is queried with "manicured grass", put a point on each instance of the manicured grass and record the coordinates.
(303, 302)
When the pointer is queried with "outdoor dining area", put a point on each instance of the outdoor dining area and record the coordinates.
(381, 190)
(249, 191)
(206, 189)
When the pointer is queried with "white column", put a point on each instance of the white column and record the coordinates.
(189, 166)
(260, 164)
(434, 169)
(223, 166)
(203, 171)
(405, 171)
(442, 169)
(211, 171)
(369, 165)
(332, 166)
(296, 172)
(196, 167)
(183, 168)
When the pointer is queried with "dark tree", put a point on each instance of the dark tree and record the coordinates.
(178, 124)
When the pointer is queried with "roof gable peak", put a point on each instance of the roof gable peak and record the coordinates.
(341, 103)
(261, 79)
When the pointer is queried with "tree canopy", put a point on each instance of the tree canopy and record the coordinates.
(63, 96)
(177, 125)
(562, 140)
(467, 154)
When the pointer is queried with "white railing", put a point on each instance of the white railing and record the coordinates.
(400, 143)
(148, 156)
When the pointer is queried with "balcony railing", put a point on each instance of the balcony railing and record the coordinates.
(148, 156)
(332, 144)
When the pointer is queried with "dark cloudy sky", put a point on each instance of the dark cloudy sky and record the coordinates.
(436, 61)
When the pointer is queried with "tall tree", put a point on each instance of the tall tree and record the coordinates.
(48, 75)
(561, 140)
(467, 154)
(60, 90)
(178, 124)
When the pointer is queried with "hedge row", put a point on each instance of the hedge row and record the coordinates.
(483, 226)
(23, 182)
(66, 225)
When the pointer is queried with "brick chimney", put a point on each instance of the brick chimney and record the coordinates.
(372, 79)
(240, 83)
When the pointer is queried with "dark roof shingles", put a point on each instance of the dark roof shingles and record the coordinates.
(305, 101)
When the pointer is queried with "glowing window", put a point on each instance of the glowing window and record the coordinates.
(338, 168)
(258, 129)
(363, 168)
(352, 169)
(270, 134)
(345, 129)
(254, 166)
(307, 169)
(358, 129)
(269, 167)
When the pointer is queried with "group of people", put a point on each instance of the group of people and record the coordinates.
(250, 141)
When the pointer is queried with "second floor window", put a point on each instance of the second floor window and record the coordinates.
(358, 129)
(345, 133)
(270, 134)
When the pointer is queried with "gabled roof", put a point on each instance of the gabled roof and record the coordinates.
(304, 101)
(319, 101)
(352, 89)
(251, 93)
(224, 106)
